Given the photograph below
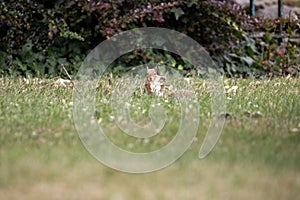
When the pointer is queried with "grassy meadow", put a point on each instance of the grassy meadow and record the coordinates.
(257, 156)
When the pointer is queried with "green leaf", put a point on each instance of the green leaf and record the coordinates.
(248, 60)
(178, 12)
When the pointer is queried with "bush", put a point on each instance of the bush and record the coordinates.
(37, 36)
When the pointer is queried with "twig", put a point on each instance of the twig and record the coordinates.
(69, 77)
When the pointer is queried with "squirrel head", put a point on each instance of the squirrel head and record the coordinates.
(151, 74)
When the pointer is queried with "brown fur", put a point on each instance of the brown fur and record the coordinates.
(153, 78)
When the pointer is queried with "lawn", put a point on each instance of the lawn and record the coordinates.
(257, 156)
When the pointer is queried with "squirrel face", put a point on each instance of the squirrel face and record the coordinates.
(151, 74)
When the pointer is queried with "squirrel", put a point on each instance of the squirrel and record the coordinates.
(156, 84)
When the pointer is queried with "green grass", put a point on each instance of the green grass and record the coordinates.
(257, 157)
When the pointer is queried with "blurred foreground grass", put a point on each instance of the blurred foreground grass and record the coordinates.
(257, 157)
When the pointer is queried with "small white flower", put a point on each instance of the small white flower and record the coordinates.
(127, 105)
(146, 141)
(112, 117)
(195, 139)
(34, 133)
(234, 87)
(104, 100)
(62, 82)
(130, 145)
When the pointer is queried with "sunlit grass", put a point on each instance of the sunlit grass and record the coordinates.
(258, 152)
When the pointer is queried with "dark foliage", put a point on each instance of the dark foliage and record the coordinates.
(36, 36)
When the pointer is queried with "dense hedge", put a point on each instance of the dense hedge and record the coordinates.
(36, 36)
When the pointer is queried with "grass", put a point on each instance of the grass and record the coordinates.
(257, 156)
